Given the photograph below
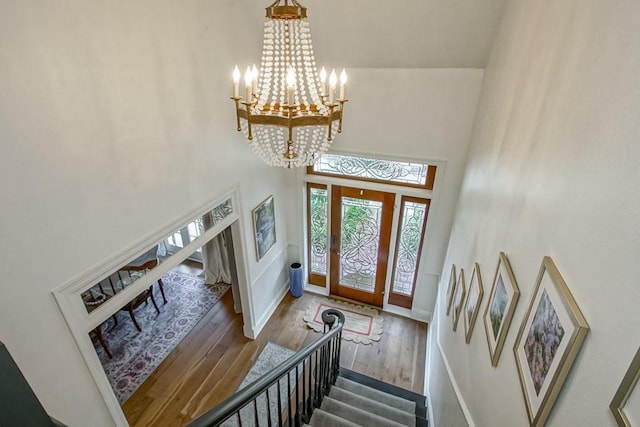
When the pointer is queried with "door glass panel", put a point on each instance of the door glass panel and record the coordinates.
(319, 232)
(388, 171)
(360, 236)
(412, 222)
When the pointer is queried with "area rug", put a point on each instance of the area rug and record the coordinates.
(271, 356)
(137, 354)
(362, 324)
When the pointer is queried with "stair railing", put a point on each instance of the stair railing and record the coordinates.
(299, 385)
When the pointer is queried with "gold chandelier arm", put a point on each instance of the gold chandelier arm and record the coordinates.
(330, 120)
(248, 112)
(341, 101)
(237, 102)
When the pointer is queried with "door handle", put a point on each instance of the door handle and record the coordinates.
(334, 244)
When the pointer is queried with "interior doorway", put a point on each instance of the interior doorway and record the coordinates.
(361, 222)
(138, 337)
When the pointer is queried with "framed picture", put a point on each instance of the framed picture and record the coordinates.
(264, 227)
(472, 303)
(502, 303)
(451, 288)
(625, 405)
(548, 341)
(458, 299)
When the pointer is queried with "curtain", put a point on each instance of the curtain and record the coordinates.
(216, 261)
(215, 257)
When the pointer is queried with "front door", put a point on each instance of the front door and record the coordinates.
(360, 235)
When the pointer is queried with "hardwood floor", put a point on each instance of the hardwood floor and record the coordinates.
(209, 364)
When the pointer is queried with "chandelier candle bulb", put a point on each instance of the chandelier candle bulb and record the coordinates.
(323, 82)
(343, 83)
(236, 82)
(291, 84)
(333, 79)
(254, 76)
(248, 86)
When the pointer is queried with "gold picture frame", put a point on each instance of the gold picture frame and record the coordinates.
(451, 288)
(549, 339)
(264, 227)
(500, 307)
(458, 299)
(627, 386)
(472, 303)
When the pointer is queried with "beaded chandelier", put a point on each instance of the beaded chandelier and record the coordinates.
(288, 113)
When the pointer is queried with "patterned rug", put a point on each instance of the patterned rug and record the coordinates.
(362, 324)
(271, 356)
(137, 354)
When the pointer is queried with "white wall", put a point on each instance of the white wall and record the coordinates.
(553, 170)
(416, 114)
(114, 121)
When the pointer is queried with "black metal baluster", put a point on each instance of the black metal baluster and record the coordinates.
(305, 407)
(297, 400)
(289, 397)
(239, 419)
(329, 364)
(268, 408)
(316, 402)
(279, 405)
(325, 359)
(332, 355)
(336, 361)
(255, 411)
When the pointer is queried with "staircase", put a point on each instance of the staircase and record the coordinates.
(357, 400)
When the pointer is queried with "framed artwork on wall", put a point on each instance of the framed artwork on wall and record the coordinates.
(264, 227)
(472, 303)
(548, 342)
(501, 305)
(451, 288)
(625, 405)
(458, 299)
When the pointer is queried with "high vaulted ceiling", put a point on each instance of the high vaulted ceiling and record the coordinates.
(402, 33)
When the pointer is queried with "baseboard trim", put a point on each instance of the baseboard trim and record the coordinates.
(421, 315)
(261, 323)
(429, 409)
(456, 388)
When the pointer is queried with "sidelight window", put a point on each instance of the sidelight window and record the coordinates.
(413, 218)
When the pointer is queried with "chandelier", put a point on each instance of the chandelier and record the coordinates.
(290, 112)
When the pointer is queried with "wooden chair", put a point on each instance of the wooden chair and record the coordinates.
(146, 262)
(97, 334)
(143, 297)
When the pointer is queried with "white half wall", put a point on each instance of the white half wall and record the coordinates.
(553, 170)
